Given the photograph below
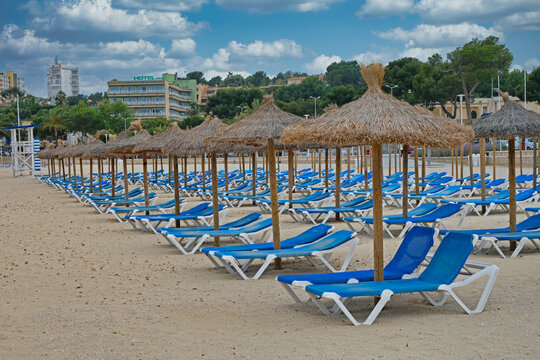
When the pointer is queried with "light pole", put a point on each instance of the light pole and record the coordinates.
(315, 98)
(241, 108)
(106, 138)
(461, 107)
(391, 88)
(306, 116)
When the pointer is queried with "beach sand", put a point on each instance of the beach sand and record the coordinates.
(78, 285)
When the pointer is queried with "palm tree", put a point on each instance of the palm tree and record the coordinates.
(55, 122)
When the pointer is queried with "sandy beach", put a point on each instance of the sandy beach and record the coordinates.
(79, 285)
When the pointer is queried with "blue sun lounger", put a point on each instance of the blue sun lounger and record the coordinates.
(134, 209)
(238, 261)
(440, 276)
(394, 199)
(313, 200)
(366, 222)
(409, 256)
(500, 200)
(451, 191)
(357, 206)
(436, 217)
(102, 206)
(531, 223)
(196, 216)
(520, 237)
(246, 234)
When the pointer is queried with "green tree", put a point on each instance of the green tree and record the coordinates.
(311, 86)
(190, 122)
(196, 75)
(533, 86)
(215, 81)
(84, 118)
(74, 100)
(234, 80)
(60, 98)
(55, 121)
(401, 72)
(478, 61)
(12, 93)
(225, 104)
(156, 125)
(116, 116)
(96, 97)
(282, 77)
(344, 73)
(341, 94)
(258, 79)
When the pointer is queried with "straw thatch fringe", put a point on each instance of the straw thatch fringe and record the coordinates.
(156, 142)
(125, 145)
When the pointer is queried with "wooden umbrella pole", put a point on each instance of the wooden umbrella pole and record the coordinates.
(176, 176)
(226, 165)
(100, 170)
(423, 164)
(461, 160)
(326, 160)
(416, 174)
(274, 200)
(215, 202)
(69, 168)
(348, 163)
(520, 157)
(512, 187)
(268, 164)
(366, 174)
(145, 179)
(319, 152)
(378, 254)
(74, 163)
(63, 168)
(185, 171)
(113, 177)
(535, 159)
(471, 167)
(278, 160)
(254, 175)
(494, 159)
(456, 162)
(169, 168)
(329, 156)
(396, 158)
(291, 175)
(126, 183)
(195, 164)
(81, 168)
(338, 180)
(161, 161)
(405, 182)
(132, 165)
(296, 164)
(483, 170)
(243, 160)
(203, 172)
(358, 166)
(91, 175)
(109, 165)
(389, 159)
(156, 170)
(452, 161)
(154, 164)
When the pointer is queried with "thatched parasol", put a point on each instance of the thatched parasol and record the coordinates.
(377, 118)
(95, 149)
(264, 126)
(510, 121)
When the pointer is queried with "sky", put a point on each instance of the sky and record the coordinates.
(120, 39)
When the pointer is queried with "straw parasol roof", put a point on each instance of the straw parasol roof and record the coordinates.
(266, 123)
(511, 120)
(193, 141)
(457, 135)
(65, 151)
(46, 154)
(156, 142)
(95, 149)
(124, 145)
(376, 117)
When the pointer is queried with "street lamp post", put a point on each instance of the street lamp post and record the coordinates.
(391, 88)
(461, 107)
(306, 116)
(315, 98)
(106, 138)
(241, 108)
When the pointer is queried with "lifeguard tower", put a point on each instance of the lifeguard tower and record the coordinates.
(23, 150)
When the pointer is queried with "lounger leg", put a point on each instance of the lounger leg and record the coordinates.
(291, 293)
(407, 227)
(385, 297)
(519, 246)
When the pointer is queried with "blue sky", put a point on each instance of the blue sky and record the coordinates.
(121, 38)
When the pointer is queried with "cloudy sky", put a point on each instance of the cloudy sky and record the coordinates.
(122, 38)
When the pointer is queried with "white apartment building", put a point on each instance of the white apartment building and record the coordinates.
(62, 78)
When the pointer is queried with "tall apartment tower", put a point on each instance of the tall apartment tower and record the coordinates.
(62, 78)
(11, 79)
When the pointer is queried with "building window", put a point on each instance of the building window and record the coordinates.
(474, 114)
(115, 89)
(143, 111)
(144, 89)
(158, 111)
(130, 101)
(157, 89)
(144, 100)
(158, 100)
(113, 100)
(130, 89)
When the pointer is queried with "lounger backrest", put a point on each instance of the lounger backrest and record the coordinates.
(422, 209)
(312, 234)
(196, 209)
(257, 226)
(448, 191)
(248, 219)
(412, 251)
(496, 182)
(209, 210)
(328, 242)
(443, 211)
(529, 224)
(449, 258)
(500, 195)
(433, 190)
(524, 195)
(354, 202)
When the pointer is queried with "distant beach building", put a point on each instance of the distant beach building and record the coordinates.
(11, 79)
(150, 97)
(481, 106)
(62, 78)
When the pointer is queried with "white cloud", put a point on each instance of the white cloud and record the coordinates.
(270, 6)
(129, 48)
(526, 21)
(168, 5)
(423, 54)
(275, 49)
(383, 8)
(426, 36)
(320, 63)
(223, 74)
(16, 42)
(219, 60)
(100, 15)
(532, 64)
(372, 57)
(182, 47)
